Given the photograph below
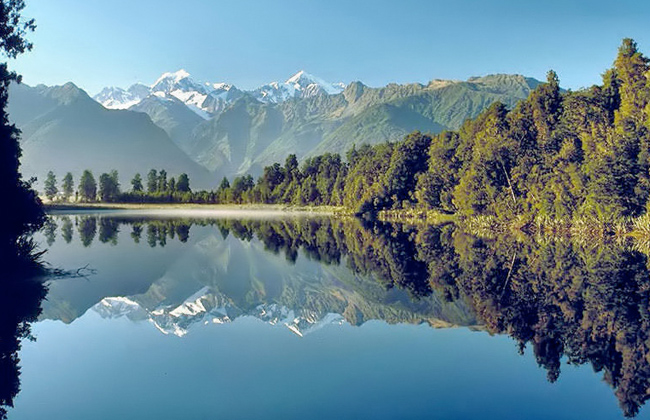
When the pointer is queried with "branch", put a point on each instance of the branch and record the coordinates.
(512, 191)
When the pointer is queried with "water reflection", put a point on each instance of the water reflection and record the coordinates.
(588, 304)
(21, 294)
(564, 300)
(66, 229)
(87, 228)
(232, 268)
(20, 300)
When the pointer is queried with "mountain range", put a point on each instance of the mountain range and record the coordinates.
(210, 130)
(64, 129)
(208, 99)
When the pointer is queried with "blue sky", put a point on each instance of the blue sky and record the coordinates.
(250, 42)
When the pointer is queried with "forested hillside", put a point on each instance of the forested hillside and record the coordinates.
(248, 135)
(555, 154)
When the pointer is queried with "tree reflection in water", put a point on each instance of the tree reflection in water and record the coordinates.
(563, 299)
(20, 304)
(21, 294)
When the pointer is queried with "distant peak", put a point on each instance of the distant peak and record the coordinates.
(220, 86)
(302, 80)
(303, 77)
(66, 93)
(441, 83)
(110, 89)
(296, 77)
(70, 85)
(175, 76)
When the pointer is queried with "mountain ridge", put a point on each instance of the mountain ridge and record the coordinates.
(228, 132)
(359, 114)
(65, 130)
(207, 98)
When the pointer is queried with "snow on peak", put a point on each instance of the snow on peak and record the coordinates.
(303, 80)
(117, 307)
(172, 77)
(179, 80)
(207, 99)
(298, 76)
(220, 86)
(118, 98)
(300, 85)
(181, 86)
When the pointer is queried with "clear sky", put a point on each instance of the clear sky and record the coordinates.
(250, 42)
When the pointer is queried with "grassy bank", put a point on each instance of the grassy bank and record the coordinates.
(416, 217)
(580, 227)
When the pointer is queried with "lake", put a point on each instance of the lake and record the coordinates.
(197, 316)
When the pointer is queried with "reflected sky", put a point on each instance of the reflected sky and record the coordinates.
(106, 369)
(330, 318)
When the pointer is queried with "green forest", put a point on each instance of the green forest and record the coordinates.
(558, 154)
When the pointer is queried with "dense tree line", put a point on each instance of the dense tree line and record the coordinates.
(109, 190)
(556, 154)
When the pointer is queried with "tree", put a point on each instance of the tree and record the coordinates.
(225, 184)
(104, 191)
(109, 187)
(87, 186)
(224, 191)
(152, 181)
(50, 186)
(21, 216)
(162, 180)
(484, 187)
(136, 183)
(68, 186)
(410, 158)
(115, 177)
(240, 186)
(435, 187)
(183, 184)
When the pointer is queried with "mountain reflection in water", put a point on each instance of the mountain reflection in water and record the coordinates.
(577, 302)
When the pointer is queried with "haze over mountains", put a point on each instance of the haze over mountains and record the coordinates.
(210, 130)
(63, 129)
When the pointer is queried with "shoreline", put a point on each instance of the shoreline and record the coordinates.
(196, 209)
(637, 229)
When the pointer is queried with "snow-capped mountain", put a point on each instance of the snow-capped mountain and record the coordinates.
(300, 85)
(207, 99)
(203, 98)
(221, 95)
(206, 307)
(118, 98)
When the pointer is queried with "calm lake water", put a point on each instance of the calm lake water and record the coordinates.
(294, 317)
